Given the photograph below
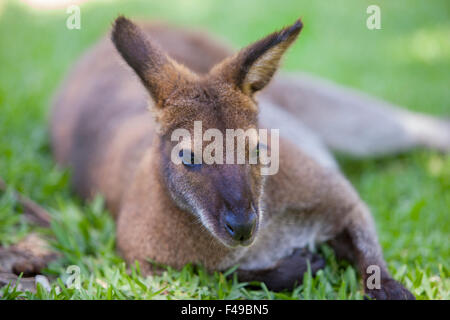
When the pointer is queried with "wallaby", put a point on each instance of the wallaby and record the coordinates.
(221, 215)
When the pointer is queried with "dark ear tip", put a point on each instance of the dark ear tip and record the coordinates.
(291, 32)
(120, 24)
(298, 25)
(121, 19)
(295, 28)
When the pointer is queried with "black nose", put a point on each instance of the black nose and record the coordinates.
(240, 227)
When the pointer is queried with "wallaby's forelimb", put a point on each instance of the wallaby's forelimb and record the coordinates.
(353, 123)
(287, 272)
(358, 243)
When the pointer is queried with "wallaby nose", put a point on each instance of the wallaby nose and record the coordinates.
(240, 227)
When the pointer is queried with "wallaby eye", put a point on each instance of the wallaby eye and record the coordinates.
(254, 154)
(257, 150)
(188, 158)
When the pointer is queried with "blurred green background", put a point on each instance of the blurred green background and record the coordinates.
(407, 62)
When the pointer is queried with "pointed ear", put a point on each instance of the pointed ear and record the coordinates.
(155, 69)
(252, 68)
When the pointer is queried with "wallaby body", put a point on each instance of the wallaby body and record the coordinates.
(102, 128)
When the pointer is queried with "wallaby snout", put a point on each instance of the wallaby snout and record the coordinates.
(241, 227)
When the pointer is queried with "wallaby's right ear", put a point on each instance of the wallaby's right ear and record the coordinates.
(253, 67)
(155, 69)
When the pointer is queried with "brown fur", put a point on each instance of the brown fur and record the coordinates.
(172, 214)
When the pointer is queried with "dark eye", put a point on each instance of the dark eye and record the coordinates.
(188, 158)
(259, 147)
(256, 151)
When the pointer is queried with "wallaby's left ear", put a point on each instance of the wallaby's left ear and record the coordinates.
(157, 71)
(252, 68)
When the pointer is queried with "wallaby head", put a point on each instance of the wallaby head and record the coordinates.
(224, 197)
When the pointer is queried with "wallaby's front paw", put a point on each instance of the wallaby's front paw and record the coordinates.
(390, 290)
(290, 270)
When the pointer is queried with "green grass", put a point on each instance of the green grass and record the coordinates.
(406, 62)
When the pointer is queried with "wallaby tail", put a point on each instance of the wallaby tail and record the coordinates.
(354, 123)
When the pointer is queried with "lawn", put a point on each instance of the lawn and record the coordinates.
(406, 62)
